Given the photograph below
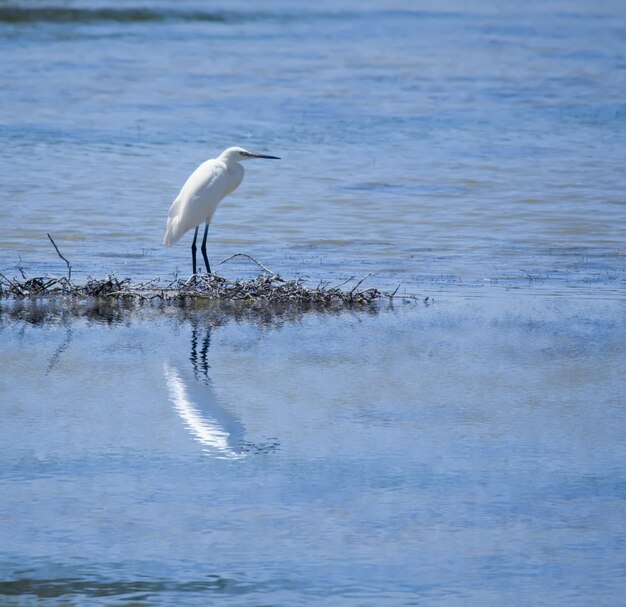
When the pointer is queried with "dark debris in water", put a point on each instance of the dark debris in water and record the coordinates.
(87, 15)
(264, 288)
(107, 298)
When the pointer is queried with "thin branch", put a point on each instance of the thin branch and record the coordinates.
(69, 265)
(345, 282)
(258, 263)
(356, 286)
(8, 280)
(21, 269)
(394, 293)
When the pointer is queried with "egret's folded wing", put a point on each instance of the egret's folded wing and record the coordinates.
(197, 200)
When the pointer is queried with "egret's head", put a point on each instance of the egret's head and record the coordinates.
(239, 154)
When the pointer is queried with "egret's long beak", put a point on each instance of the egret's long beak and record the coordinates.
(252, 155)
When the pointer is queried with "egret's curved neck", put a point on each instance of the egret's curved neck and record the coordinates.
(229, 159)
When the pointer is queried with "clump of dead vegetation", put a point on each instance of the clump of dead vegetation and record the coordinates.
(267, 289)
(264, 289)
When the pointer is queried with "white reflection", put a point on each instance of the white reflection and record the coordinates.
(208, 422)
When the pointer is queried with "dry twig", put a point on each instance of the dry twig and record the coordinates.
(69, 265)
(258, 263)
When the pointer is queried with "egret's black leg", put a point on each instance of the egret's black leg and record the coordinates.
(203, 249)
(193, 250)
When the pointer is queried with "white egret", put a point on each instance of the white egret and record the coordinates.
(203, 191)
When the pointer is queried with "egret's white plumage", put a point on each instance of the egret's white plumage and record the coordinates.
(203, 191)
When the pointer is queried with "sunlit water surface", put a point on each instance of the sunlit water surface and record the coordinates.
(466, 452)
(432, 142)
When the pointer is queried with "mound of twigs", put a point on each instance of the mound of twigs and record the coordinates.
(36, 299)
(264, 289)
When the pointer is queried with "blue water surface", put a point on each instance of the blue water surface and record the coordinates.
(429, 142)
(465, 449)
(445, 455)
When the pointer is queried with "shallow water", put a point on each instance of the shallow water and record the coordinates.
(470, 451)
(449, 454)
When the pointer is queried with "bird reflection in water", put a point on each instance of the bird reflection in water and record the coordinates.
(200, 364)
(193, 398)
(191, 392)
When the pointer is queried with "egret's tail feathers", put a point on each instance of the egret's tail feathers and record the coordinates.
(172, 233)
(174, 230)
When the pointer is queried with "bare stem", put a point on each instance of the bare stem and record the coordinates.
(258, 263)
(356, 286)
(69, 265)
